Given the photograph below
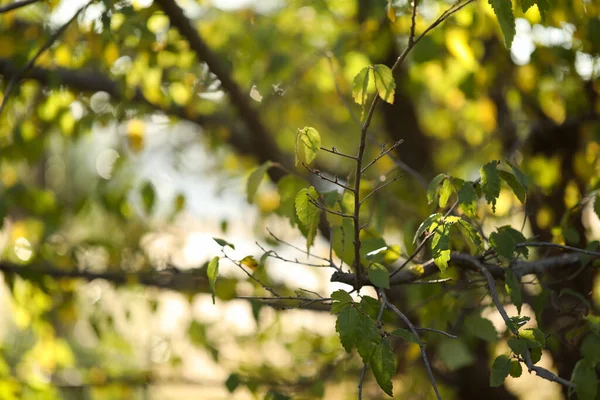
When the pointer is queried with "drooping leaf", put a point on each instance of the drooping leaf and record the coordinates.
(368, 338)
(505, 241)
(347, 327)
(383, 365)
(506, 19)
(391, 12)
(287, 188)
(516, 322)
(407, 335)
(490, 180)
(434, 187)
(379, 276)
(445, 192)
(481, 328)
(306, 210)
(308, 144)
(585, 380)
(254, 180)
(341, 300)
(467, 199)
(536, 354)
(515, 369)
(360, 84)
(213, 273)
(250, 262)
(500, 370)
(384, 82)
(473, 235)
(513, 288)
(521, 178)
(514, 184)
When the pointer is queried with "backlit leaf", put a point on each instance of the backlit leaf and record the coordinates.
(384, 82)
(308, 144)
(514, 184)
(360, 85)
(434, 187)
(254, 180)
(490, 181)
(213, 273)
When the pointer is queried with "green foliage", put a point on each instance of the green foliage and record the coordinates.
(505, 242)
(308, 213)
(490, 182)
(506, 19)
(223, 243)
(433, 189)
(383, 365)
(585, 380)
(213, 273)
(384, 82)
(500, 370)
(407, 335)
(379, 275)
(481, 328)
(308, 144)
(341, 301)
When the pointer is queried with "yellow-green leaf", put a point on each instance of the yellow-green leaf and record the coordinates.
(213, 273)
(360, 85)
(308, 143)
(254, 180)
(384, 83)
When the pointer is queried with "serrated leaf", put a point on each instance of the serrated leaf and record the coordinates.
(490, 180)
(308, 144)
(514, 184)
(305, 209)
(440, 248)
(370, 306)
(223, 243)
(384, 82)
(585, 380)
(505, 242)
(213, 273)
(526, 5)
(254, 180)
(407, 335)
(425, 225)
(481, 328)
(500, 370)
(506, 19)
(590, 348)
(341, 300)
(360, 84)
(434, 188)
(368, 338)
(517, 345)
(383, 365)
(472, 233)
(379, 276)
(536, 354)
(445, 192)
(347, 327)
(513, 288)
(515, 369)
(467, 199)
(534, 337)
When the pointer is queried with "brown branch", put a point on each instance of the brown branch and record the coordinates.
(268, 149)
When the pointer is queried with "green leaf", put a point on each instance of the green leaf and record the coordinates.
(500, 370)
(434, 188)
(254, 180)
(445, 192)
(308, 144)
(526, 5)
(472, 233)
(515, 369)
(305, 209)
(467, 199)
(590, 348)
(455, 353)
(514, 184)
(232, 382)
(506, 19)
(383, 365)
(213, 273)
(360, 84)
(223, 243)
(513, 288)
(370, 306)
(440, 248)
(515, 323)
(585, 380)
(521, 178)
(407, 335)
(544, 7)
(490, 179)
(536, 354)
(341, 300)
(517, 345)
(481, 328)
(384, 83)
(342, 241)
(505, 242)
(379, 276)
(368, 337)
(534, 337)
(425, 225)
(287, 188)
(347, 327)
(148, 197)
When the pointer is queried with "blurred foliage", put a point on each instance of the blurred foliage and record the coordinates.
(121, 88)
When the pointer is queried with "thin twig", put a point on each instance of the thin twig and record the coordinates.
(273, 254)
(322, 207)
(558, 246)
(421, 344)
(382, 154)
(335, 181)
(53, 38)
(277, 239)
(437, 331)
(338, 153)
(378, 188)
(255, 279)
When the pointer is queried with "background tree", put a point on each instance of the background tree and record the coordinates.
(481, 207)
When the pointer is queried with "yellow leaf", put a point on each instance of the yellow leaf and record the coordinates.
(391, 12)
(135, 134)
(111, 53)
(250, 262)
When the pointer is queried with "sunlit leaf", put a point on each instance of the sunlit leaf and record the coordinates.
(250, 262)
(213, 273)
(445, 192)
(384, 83)
(514, 184)
(432, 220)
(308, 144)
(360, 84)
(391, 12)
(434, 188)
